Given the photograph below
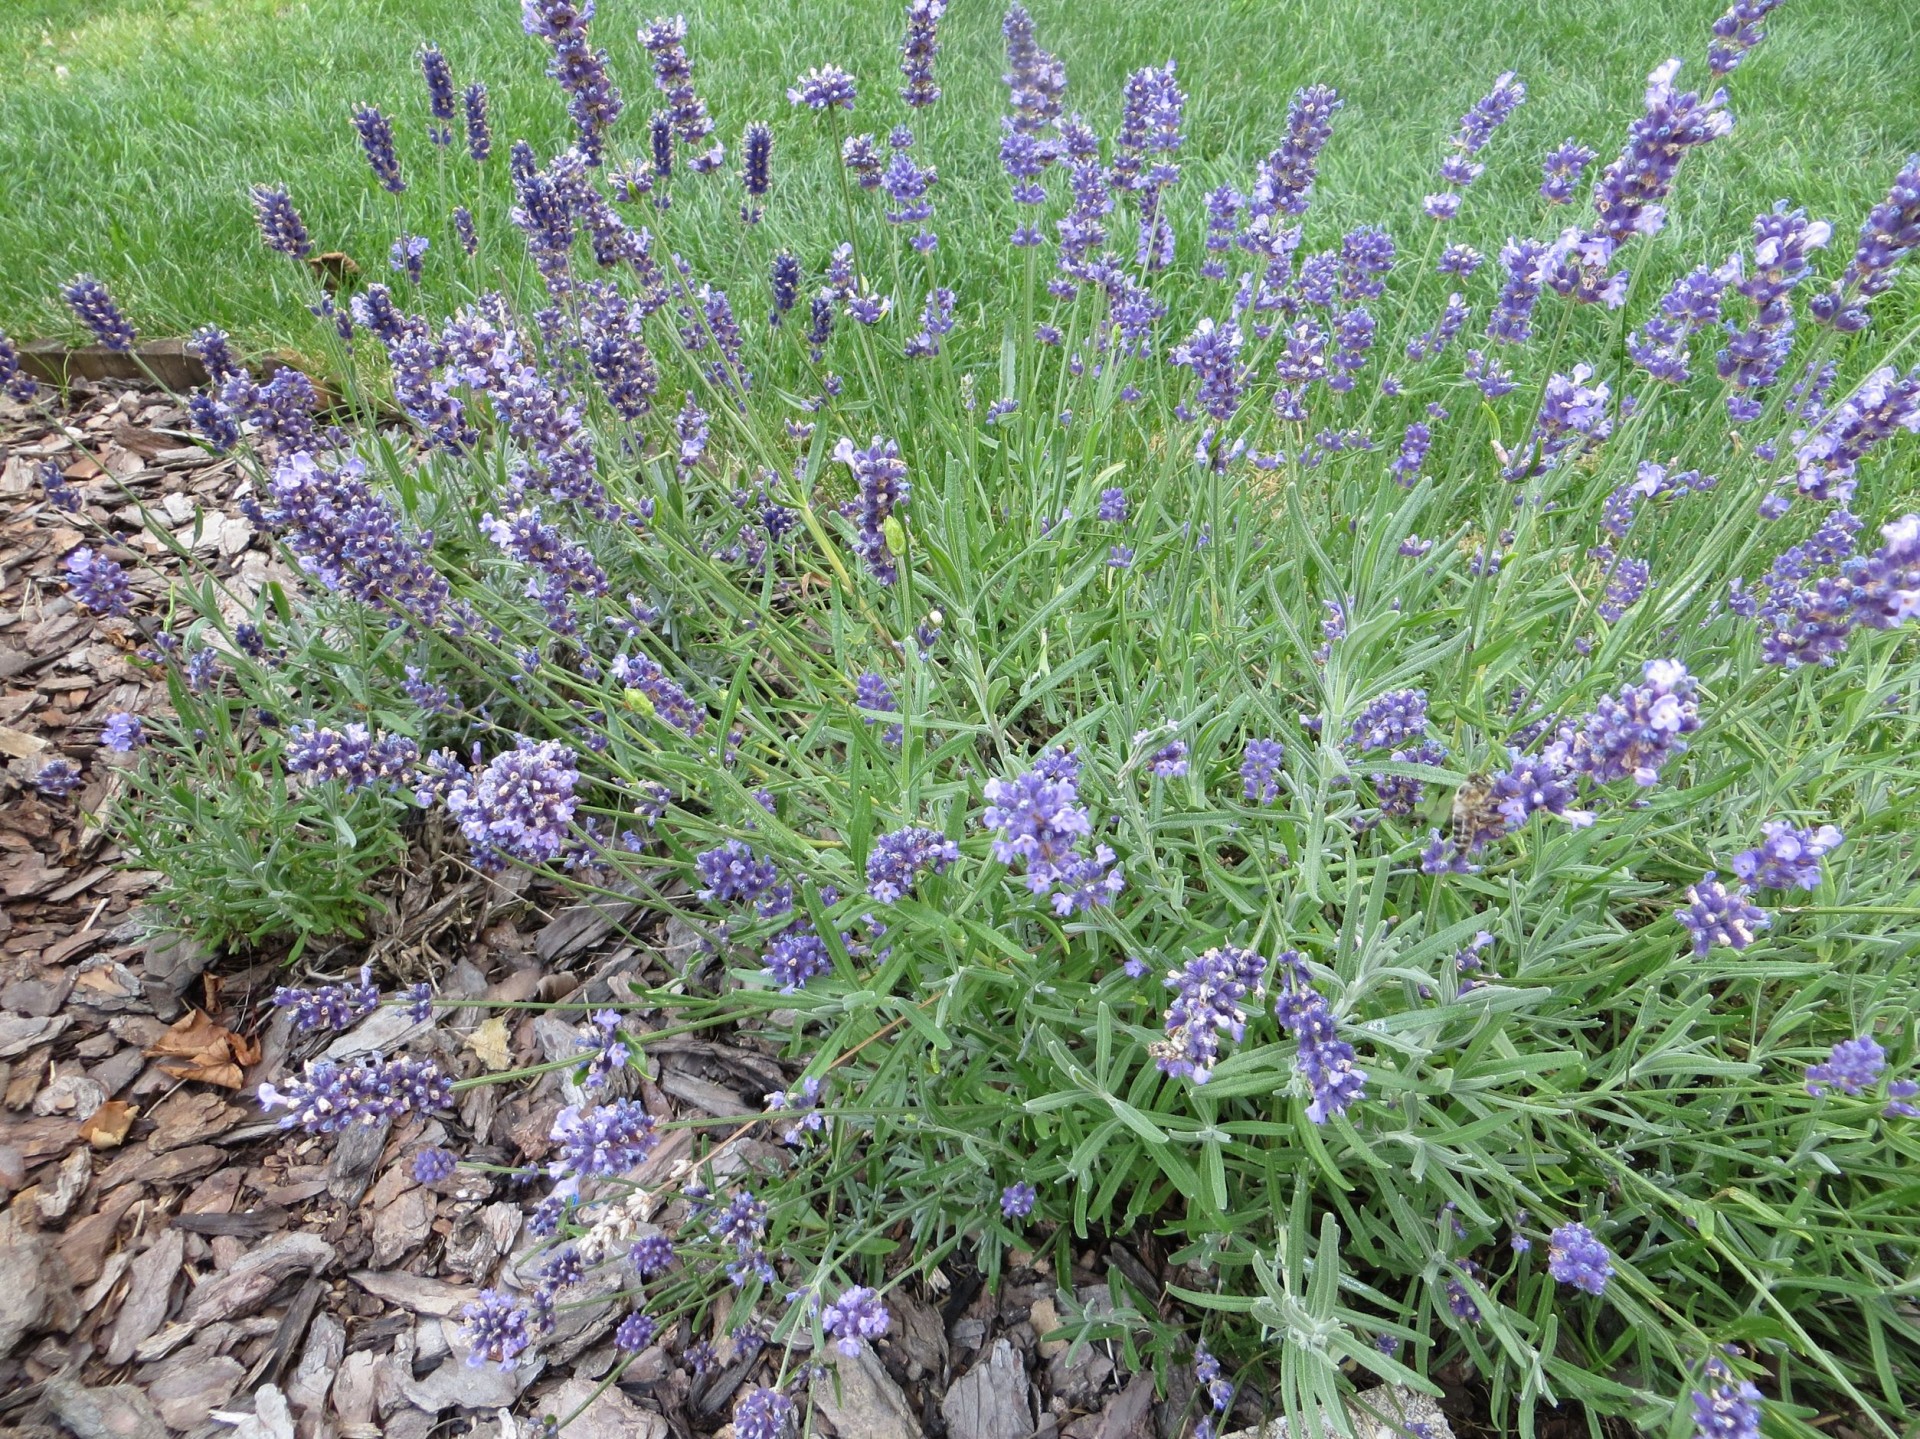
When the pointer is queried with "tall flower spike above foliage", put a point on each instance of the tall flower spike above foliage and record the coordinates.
(918, 51)
(1890, 234)
(376, 140)
(93, 307)
(1737, 32)
(440, 102)
(281, 227)
(479, 132)
(1460, 169)
(1630, 193)
(593, 102)
(824, 87)
(687, 118)
(1284, 184)
(884, 489)
(755, 173)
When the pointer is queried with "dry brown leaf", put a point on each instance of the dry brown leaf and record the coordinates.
(108, 1126)
(208, 1051)
(489, 1041)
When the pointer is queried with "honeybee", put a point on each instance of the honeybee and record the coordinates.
(1476, 814)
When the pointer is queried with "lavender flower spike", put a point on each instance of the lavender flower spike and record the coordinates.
(281, 228)
(825, 87)
(918, 49)
(1716, 915)
(93, 307)
(1208, 1003)
(376, 139)
(1630, 191)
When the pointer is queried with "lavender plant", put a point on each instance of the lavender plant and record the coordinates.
(1078, 766)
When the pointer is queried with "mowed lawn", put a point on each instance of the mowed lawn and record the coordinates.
(130, 129)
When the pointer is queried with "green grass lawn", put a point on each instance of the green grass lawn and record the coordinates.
(130, 129)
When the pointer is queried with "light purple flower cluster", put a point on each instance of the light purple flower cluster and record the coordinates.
(1395, 716)
(1017, 1200)
(825, 87)
(674, 706)
(1284, 183)
(1260, 769)
(1575, 1257)
(330, 1006)
(918, 50)
(1727, 1408)
(665, 41)
(1323, 1059)
(764, 1413)
(857, 1316)
(1562, 169)
(123, 733)
(1209, 1001)
(98, 583)
(1691, 304)
(882, 477)
(593, 103)
(350, 539)
(1574, 417)
(15, 383)
(519, 807)
(1890, 234)
(1212, 352)
(732, 873)
(796, 956)
(604, 1141)
(281, 227)
(900, 858)
(330, 1096)
(497, 1329)
(356, 756)
(1714, 915)
(1460, 169)
(1628, 195)
(1525, 263)
(1636, 732)
(1039, 823)
(1789, 857)
(433, 1164)
(608, 1050)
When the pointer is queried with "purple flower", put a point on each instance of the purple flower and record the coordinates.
(1789, 857)
(479, 136)
(1038, 821)
(796, 956)
(856, 1316)
(1491, 377)
(1891, 233)
(331, 1096)
(1212, 352)
(1576, 1258)
(917, 52)
(1119, 557)
(1714, 915)
(98, 584)
(14, 383)
(900, 858)
(1727, 1408)
(755, 177)
(1735, 33)
(349, 539)
(764, 1413)
(1169, 761)
(439, 79)
(733, 874)
(1259, 770)
(57, 778)
(1512, 320)
(1017, 1200)
(1853, 1066)
(281, 228)
(1324, 1059)
(376, 139)
(669, 701)
(519, 806)
(496, 1329)
(330, 1006)
(604, 1141)
(635, 1333)
(1396, 716)
(1636, 732)
(430, 1166)
(882, 477)
(1284, 184)
(1629, 193)
(824, 87)
(1562, 170)
(1209, 997)
(1536, 785)
(406, 255)
(123, 733)
(651, 1256)
(1629, 581)
(93, 307)
(686, 116)
(610, 1051)
(1113, 506)
(1036, 82)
